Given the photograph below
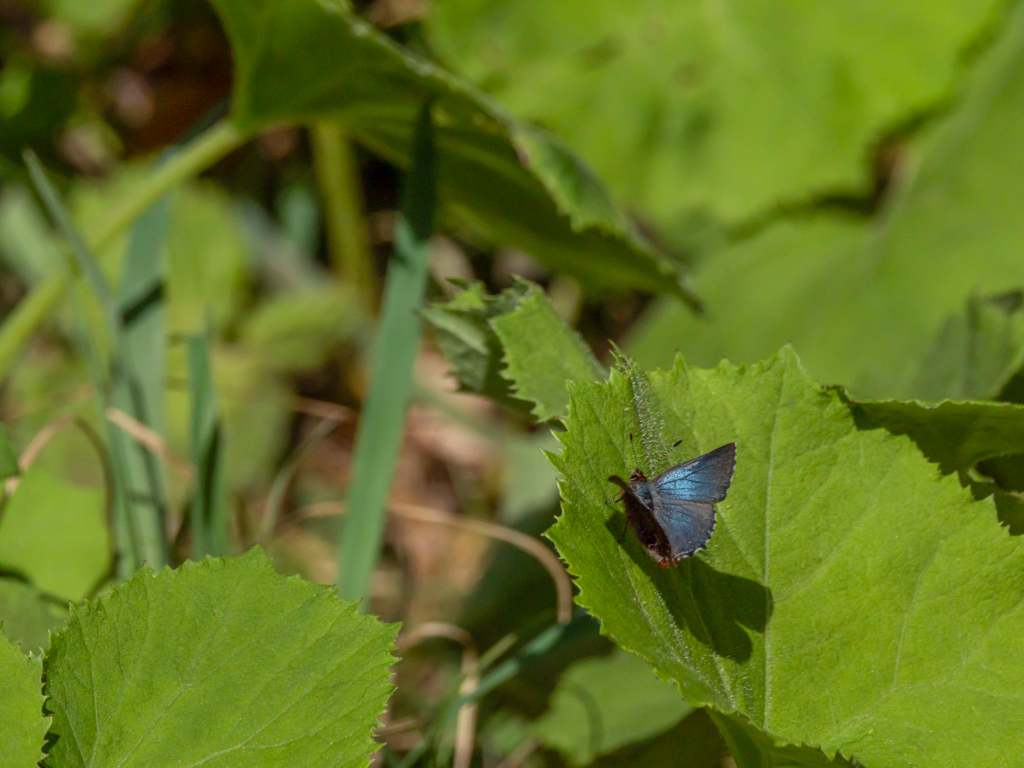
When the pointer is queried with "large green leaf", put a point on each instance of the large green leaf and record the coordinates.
(219, 663)
(862, 303)
(22, 724)
(298, 60)
(605, 703)
(850, 596)
(731, 108)
(54, 533)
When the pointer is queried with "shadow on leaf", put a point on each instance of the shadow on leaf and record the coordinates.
(714, 607)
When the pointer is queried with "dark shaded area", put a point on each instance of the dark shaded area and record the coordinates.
(716, 608)
(516, 595)
(1009, 504)
(1010, 508)
(748, 746)
(37, 125)
(694, 741)
(1006, 471)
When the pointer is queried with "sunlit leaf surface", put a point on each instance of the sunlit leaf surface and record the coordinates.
(863, 303)
(221, 663)
(850, 598)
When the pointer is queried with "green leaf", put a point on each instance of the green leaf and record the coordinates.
(976, 352)
(55, 534)
(295, 331)
(605, 703)
(850, 597)
(514, 184)
(512, 347)
(863, 302)
(27, 616)
(732, 109)
(542, 353)
(956, 436)
(1011, 510)
(473, 350)
(201, 289)
(220, 663)
(22, 723)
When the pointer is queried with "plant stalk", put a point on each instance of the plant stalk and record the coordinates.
(337, 175)
(379, 434)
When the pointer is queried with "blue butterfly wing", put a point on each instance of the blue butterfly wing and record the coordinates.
(704, 479)
(687, 524)
(684, 497)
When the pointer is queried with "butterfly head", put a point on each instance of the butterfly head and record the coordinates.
(638, 487)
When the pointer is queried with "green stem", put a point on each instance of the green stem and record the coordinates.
(200, 154)
(348, 243)
(207, 148)
(379, 434)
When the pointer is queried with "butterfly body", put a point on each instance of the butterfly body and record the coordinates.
(673, 515)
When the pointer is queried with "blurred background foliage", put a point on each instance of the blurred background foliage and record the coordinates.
(717, 179)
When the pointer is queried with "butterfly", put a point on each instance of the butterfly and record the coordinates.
(673, 515)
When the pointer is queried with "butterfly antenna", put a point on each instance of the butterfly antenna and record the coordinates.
(677, 443)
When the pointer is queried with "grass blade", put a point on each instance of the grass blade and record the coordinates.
(379, 434)
(275, 497)
(208, 516)
(142, 335)
(33, 310)
(139, 529)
